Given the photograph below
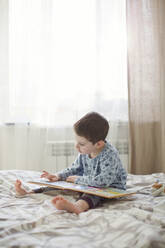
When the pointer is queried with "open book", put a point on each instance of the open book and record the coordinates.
(102, 192)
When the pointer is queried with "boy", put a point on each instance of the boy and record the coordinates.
(98, 164)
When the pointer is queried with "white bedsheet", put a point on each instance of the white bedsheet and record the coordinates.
(32, 221)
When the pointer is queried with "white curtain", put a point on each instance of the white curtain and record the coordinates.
(65, 58)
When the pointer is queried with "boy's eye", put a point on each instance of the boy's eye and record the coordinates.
(81, 144)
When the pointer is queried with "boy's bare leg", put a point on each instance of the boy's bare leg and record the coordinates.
(19, 189)
(62, 204)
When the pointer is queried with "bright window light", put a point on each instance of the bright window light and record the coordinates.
(67, 58)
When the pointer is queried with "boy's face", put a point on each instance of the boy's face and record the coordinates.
(84, 146)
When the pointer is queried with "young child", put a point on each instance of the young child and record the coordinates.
(98, 164)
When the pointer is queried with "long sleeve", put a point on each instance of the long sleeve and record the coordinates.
(106, 177)
(105, 170)
(111, 174)
(75, 169)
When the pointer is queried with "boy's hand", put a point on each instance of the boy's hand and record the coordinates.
(71, 179)
(50, 177)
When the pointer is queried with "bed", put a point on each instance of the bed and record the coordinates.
(32, 221)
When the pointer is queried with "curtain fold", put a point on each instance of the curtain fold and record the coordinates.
(60, 59)
(4, 59)
(146, 85)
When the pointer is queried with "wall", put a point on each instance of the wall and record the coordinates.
(30, 147)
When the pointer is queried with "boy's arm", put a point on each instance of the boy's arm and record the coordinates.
(104, 179)
(75, 169)
(109, 171)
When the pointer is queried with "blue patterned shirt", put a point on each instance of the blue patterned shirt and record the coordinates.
(105, 170)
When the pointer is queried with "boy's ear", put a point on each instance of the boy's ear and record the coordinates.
(99, 144)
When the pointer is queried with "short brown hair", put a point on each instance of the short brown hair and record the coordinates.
(92, 126)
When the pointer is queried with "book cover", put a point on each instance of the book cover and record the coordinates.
(102, 192)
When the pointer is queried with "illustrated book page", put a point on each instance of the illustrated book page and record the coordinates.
(102, 192)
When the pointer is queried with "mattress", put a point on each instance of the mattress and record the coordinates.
(32, 221)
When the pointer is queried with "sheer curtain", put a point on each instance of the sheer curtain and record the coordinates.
(65, 58)
(146, 67)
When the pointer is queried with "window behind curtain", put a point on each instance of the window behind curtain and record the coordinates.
(60, 59)
(66, 58)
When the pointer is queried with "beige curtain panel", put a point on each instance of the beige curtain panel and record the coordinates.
(146, 85)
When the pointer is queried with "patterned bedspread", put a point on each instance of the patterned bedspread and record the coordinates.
(32, 221)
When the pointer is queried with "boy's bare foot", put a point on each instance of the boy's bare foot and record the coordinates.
(62, 204)
(19, 189)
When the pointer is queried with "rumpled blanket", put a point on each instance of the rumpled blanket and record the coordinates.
(32, 221)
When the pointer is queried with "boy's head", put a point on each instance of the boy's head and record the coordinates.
(93, 126)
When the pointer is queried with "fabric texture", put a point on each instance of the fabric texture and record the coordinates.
(92, 200)
(32, 221)
(146, 85)
(104, 170)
